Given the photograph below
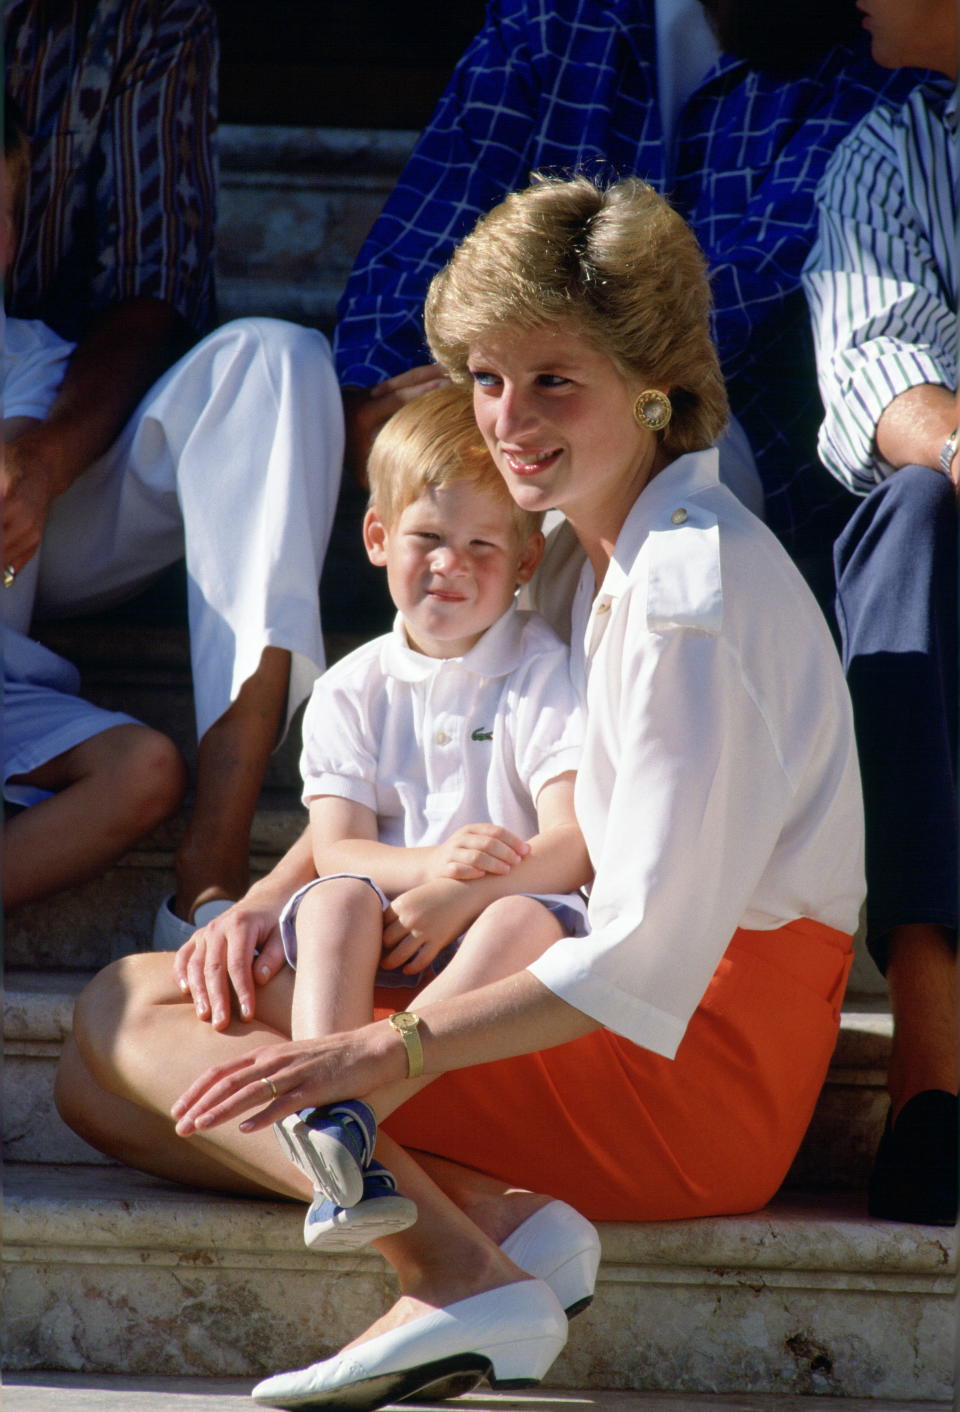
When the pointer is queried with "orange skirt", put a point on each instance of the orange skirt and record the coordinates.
(626, 1135)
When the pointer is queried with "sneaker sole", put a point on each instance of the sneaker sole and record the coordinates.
(354, 1235)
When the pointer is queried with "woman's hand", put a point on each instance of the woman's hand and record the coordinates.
(420, 923)
(305, 1073)
(477, 849)
(226, 960)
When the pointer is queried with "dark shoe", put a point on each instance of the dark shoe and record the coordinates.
(914, 1174)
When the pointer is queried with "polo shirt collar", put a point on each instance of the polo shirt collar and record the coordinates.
(499, 651)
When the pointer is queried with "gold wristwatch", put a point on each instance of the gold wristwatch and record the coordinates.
(405, 1023)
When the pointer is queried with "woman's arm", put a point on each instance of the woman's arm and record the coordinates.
(517, 1015)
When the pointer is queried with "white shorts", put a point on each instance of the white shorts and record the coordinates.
(42, 714)
(568, 907)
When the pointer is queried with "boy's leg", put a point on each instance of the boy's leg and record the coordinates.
(504, 939)
(111, 790)
(339, 927)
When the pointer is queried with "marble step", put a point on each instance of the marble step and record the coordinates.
(835, 1155)
(86, 927)
(295, 206)
(105, 1392)
(108, 1271)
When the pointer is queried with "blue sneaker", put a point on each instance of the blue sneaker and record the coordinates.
(332, 1146)
(381, 1211)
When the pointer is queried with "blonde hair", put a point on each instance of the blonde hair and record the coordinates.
(617, 265)
(433, 441)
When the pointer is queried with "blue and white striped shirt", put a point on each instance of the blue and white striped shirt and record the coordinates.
(884, 275)
(563, 84)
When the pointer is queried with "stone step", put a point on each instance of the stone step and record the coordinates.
(86, 927)
(103, 1392)
(835, 1155)
(295, 206)
(110, 1271)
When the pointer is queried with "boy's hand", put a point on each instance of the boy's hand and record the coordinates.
(476, 849)
(420, 923)
(219, 964)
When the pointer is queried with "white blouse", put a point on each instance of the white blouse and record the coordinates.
(718, 785)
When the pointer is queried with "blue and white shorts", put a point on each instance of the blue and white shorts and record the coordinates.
(568, 907)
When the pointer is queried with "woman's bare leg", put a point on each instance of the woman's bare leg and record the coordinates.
(140, 1040)
(135, 1136)
(443, 1257)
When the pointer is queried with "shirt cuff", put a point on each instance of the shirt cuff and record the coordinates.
(564, 969)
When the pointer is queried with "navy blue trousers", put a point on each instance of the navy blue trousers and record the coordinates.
(896, 566)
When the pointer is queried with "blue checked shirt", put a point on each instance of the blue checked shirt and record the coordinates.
(884, 275)
(572, 84)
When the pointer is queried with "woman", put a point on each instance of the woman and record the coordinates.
(666, 1065)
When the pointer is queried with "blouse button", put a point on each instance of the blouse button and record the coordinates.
(441, 737)
(679, 516)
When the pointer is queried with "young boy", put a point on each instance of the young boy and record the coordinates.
(97, 780)
(466, 711)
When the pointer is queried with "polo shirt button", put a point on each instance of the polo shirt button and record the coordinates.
(441, 738)
(679, 516)
(604, 606)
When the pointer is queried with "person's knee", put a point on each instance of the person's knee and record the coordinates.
(117, 1002)
(155, 775)
(519, 925)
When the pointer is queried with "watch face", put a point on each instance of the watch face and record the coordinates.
(403, 1020)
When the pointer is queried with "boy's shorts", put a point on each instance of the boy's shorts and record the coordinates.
(568, 907)
(42, 714)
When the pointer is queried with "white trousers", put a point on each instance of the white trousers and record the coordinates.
(232, 460)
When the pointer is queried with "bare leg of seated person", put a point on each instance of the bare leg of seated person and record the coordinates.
(213, 860)
(107, 792)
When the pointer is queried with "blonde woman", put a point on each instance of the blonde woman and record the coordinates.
(666, 1065)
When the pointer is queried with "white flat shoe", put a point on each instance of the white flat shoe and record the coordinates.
(560, 1247)
(510, 1335)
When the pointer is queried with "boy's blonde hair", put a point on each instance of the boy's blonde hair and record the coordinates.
(434, 441)
(618, 266)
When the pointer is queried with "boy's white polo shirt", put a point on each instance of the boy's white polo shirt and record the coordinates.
(431, 744)
(718, 786)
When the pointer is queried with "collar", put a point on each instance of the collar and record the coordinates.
(500, 650)
(688, 476)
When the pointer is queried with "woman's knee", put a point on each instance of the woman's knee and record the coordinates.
(117, 1002)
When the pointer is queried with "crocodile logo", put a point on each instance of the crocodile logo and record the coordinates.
(481, 734)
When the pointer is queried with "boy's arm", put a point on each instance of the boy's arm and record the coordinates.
(344, 836)
(423, 920)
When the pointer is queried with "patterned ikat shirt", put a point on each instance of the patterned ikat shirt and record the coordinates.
(119, 100)
(564, 84)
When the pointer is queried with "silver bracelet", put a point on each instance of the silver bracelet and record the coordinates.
(949, 451)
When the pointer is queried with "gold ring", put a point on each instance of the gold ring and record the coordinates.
(9, 574)
(271, 1086)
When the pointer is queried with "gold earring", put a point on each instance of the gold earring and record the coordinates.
(652, 410)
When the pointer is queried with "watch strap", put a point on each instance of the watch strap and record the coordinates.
(405, 1023)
